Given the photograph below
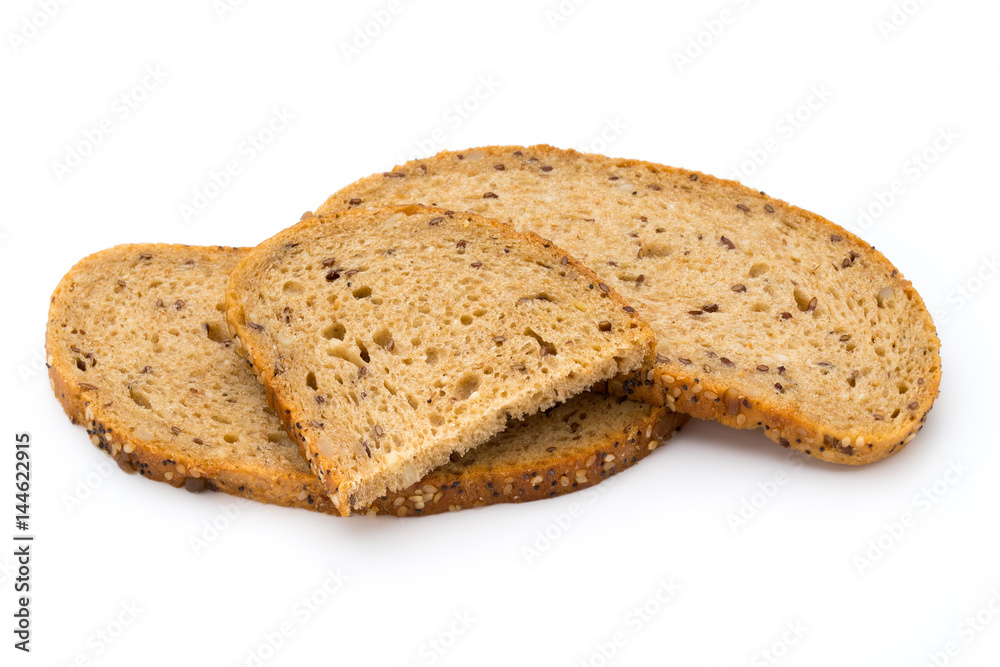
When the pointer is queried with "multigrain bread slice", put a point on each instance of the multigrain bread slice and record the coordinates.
(139, 353)
(767, 316)
(390, 339)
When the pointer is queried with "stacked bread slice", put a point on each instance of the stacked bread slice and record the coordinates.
(495, 325)
(139, 353)
(766, 315)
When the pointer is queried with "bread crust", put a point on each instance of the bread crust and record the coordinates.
(457, 487)
(252, 345)
(668, 382)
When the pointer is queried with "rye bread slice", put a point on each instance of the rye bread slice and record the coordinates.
(390, 340)
(766, 315)
(139, 353)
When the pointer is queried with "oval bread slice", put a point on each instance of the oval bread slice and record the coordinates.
(139, 354)
(767, 316)
(389, 340)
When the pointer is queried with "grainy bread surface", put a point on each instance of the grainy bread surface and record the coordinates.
(767, 316)
(139, 353)
(390, 339)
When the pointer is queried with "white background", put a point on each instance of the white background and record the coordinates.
(820, 552)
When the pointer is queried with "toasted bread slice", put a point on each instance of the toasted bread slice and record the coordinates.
(767, 316)
(391, 339)
(139, 353)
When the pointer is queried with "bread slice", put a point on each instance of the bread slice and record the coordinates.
(390, 339)
(767, 316)
(139, 353)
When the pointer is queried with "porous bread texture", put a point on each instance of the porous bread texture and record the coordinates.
(138, 352)
(571, 446)
(766, 315)
(390, 339)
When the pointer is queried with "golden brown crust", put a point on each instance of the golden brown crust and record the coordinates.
(441, 491)
(152, 459)
(671, 383)
(285, 486)
(264, 357)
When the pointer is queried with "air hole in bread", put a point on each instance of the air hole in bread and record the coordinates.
(342, 351)
(432, 356)
(230, 438)
(311, 381)
(758, 270)
(362, 292)
(466, 320)
(467, 385)
(801, 300)
(382, 337)
(335, 330)
(292, 287)
(363, 351)
(545, 348)
(216, 333)
(139, 398)
(883, 296)
(658, 249)
(902, 387)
